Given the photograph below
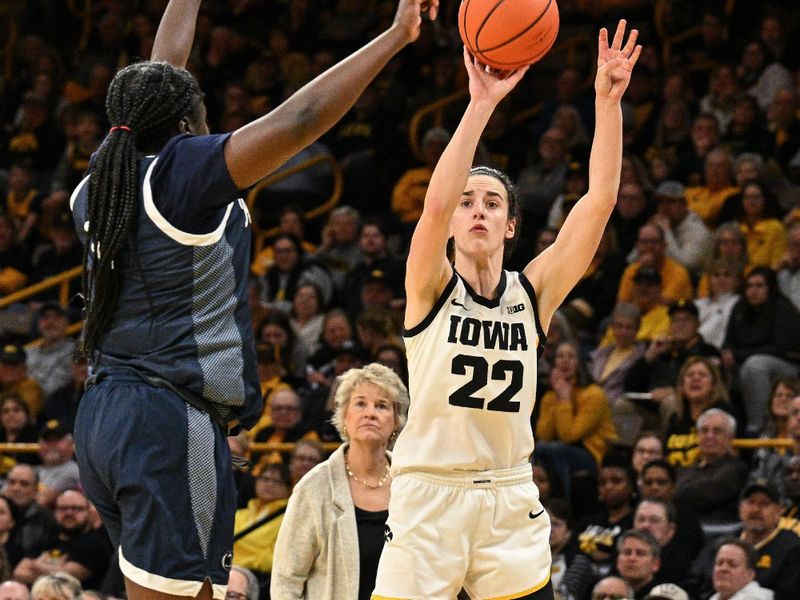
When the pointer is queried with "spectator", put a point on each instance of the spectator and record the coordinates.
(687, 239)
(574, 428)
(789, 266)
(308, 315)
(610, 363)
(593, 298)
(660, 520)
(647, 447)
(8, 523)
(769, 463)
(276, 329)
(734, 572)
(791, 486)
(58, 586)
(638, 560)
(291, 268)
(58, 471)
(62, 404)
(778, 566)
(374, 258)
(14, 378)
(562, 544)
(340, 251)
(784, 126)
(61, 250)
(612, 588)
(307, 454)
(409, 191)
(336, 330)
(16, 427)
(647, 297)
(730, 246)
(257, 525)
(632, 211)
(49, 363)
(765, 235)
(651, 252)
(333, 530)
(286, 425)
(704, 137)
(714, 311)
(35, 524)
(761, 343)
(597, 534)
(667, 591)
(760, 74)
(547, 482)
(707, 200)
(15, 263)
(14, 590)
(657, 370)
(746, 131)
(243, 583)
(23, 203)
(539, 184)
(712, 485)
(292, 222)
(723, 88)
(77, 549)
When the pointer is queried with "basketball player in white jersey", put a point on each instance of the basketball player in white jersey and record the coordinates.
(464, 510)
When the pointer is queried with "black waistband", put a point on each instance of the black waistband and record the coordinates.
(127, 374)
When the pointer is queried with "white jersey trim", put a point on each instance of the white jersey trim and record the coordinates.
(76, 191)
(166, 585)
(182, 237)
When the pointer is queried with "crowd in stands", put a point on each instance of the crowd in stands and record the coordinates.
(683, 335)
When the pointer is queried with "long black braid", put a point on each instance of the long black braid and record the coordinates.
(145, 104)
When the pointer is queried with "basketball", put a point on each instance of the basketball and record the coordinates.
(508, 34)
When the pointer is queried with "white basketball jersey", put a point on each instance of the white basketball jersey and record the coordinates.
(472, 374)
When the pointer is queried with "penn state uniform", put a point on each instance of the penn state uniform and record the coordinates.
(175, 365)
(463, 504)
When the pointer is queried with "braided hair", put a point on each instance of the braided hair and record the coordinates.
(145, 104)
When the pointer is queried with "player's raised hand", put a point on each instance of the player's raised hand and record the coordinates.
(486, 84)
(409, 15)
(615, 62)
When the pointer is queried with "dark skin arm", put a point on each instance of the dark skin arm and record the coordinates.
(260, 147)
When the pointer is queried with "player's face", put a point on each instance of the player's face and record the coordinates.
(480, 224)
(730, 570)
(369, 417)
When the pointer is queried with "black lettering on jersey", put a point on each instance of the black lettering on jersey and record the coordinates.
(495, 334)
(470, 332)
(477, 369)
(491, 335)
(515, 309)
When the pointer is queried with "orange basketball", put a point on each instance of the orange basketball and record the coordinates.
(508, 34)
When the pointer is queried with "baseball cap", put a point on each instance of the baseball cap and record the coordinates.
(647, 275)
(685, 306)
(53, 430)
(12, 354)
(670, 189)
(667, 591)
(761, 485)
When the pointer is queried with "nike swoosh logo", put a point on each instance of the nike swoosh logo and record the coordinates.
(533, 516)
(455, 302)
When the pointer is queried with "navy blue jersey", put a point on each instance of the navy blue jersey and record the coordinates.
(183, 312)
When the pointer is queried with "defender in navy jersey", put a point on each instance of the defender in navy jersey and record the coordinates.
(167, 331)
(464, 510)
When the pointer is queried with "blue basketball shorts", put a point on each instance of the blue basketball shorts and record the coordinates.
(159, 472)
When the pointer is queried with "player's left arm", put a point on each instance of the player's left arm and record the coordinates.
(175, 34)
(556, 270)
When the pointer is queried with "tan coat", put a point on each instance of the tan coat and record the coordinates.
(316, 555)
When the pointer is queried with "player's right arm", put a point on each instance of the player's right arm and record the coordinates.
(260, 147)
(428, 270)
(175, 34)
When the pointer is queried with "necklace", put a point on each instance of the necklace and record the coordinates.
(367, 485)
